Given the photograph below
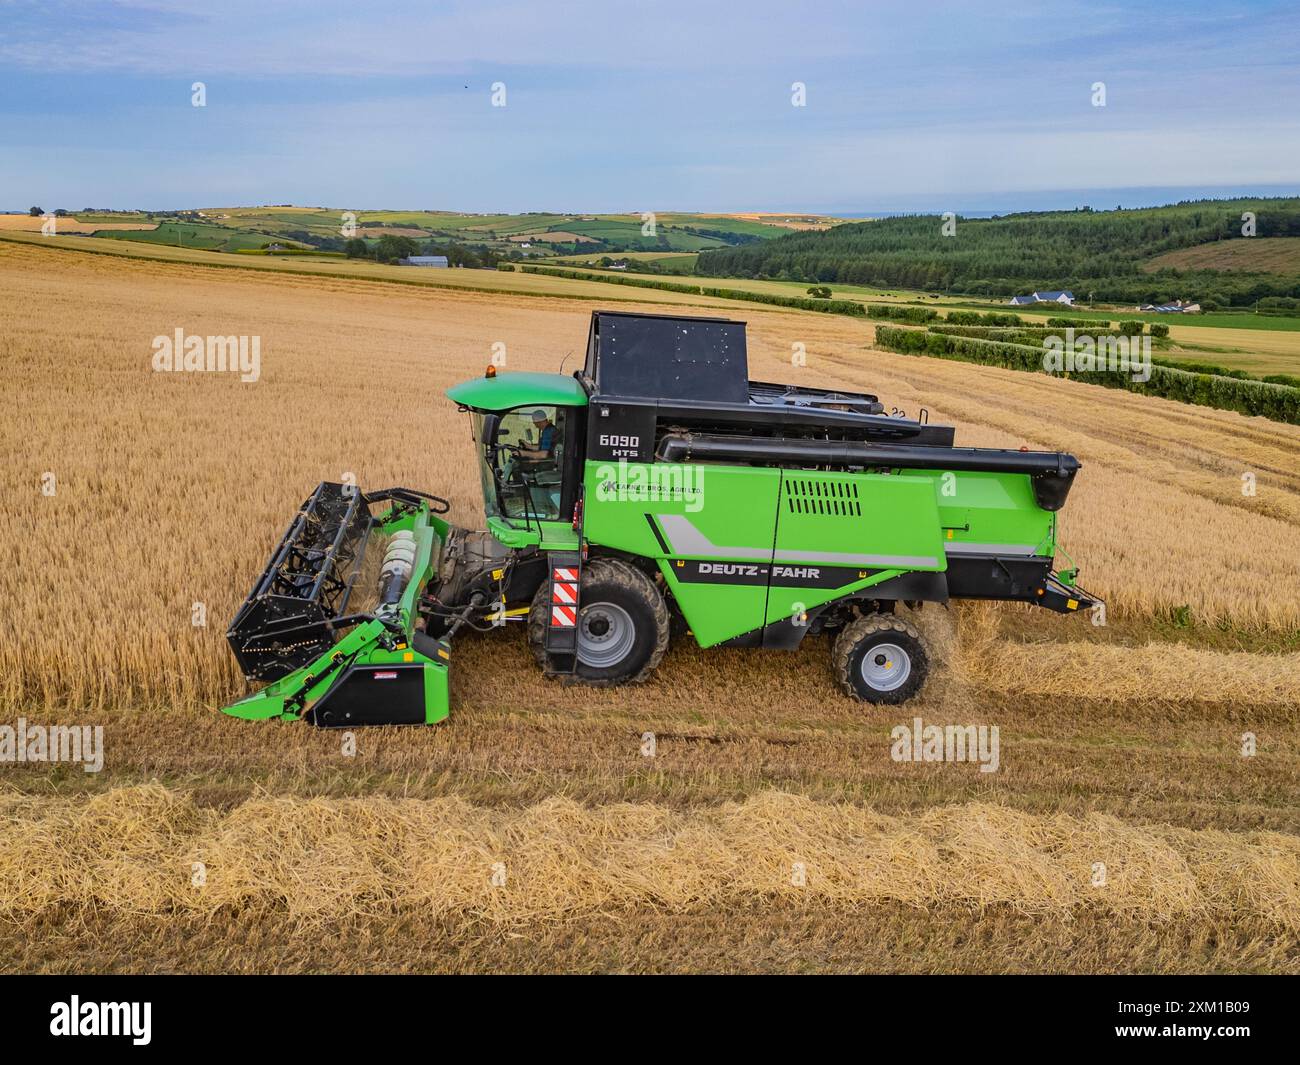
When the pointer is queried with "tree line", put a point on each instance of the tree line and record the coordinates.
(1096, 254)
(390, 248)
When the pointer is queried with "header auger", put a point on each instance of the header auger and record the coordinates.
(656, 484)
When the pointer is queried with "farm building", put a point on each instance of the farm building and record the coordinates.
(1066, 298)
(1177, 307)
(424, 260)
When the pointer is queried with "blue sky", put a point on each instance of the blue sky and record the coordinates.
(614, 106)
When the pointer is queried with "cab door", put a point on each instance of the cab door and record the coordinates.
(535, 463)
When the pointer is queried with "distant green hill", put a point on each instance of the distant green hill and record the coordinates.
(486, 237)
(194, 235)
(544, 233)
(1103, 253)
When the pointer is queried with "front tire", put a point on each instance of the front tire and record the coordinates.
(622, 624)
(880, 659)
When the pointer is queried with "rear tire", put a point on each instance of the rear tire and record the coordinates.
(880, 659)
(622, 624)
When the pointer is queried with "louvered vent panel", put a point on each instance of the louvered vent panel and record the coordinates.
(818, 495)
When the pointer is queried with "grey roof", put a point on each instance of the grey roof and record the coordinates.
(426, 260)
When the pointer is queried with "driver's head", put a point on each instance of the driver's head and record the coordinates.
(540, 419)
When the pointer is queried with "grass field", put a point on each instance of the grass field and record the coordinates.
(131, 218)
(1120, 744)
(1255, 255)
(684, 263)
(193, 235)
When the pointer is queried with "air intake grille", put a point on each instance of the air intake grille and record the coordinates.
(836, 498)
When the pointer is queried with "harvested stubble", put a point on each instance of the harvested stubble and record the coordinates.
(1124, 674)
(1118, 673)
(130, 852)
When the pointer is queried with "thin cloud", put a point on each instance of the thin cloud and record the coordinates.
(614, 103)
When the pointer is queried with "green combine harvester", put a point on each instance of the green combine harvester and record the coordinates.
(657, 491)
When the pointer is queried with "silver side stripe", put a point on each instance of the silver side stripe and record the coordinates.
(686, 539)
(953, 548)
(849, 559)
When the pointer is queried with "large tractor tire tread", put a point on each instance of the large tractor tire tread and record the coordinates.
(617, 582)
(857, 639)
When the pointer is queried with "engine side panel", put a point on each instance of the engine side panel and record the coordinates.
(742, 548)
(709, 528)
(839, 533)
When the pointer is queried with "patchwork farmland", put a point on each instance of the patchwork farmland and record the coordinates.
(235, 229)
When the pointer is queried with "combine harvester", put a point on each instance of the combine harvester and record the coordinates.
(658, 490)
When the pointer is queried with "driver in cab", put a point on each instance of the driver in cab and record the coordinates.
(545, 449)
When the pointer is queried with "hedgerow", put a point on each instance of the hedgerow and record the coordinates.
(1223, 391)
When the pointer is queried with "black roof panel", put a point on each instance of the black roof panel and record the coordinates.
(664, 356)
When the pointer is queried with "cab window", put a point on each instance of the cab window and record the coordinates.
(523, 463)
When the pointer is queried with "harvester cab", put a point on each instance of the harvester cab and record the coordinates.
(657, 490)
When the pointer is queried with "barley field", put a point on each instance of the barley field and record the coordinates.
(771, 831)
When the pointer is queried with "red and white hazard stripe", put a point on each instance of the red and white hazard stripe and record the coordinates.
(564, 597)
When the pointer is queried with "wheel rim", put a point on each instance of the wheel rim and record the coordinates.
(605, 635)
(885, 666)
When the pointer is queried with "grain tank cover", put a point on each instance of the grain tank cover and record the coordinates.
(660, 356)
